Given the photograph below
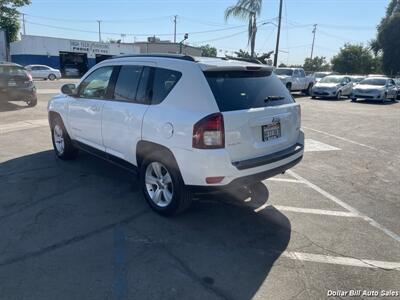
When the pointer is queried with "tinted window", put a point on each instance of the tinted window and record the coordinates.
(12, 70)
(288, 72)
(301, 73)
(127, 83)
(163, 82)
(96, 84)
(142, 95)
(238, 90)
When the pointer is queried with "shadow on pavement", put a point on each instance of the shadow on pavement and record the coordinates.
(376, 102)
(10, 106)
(82, 230)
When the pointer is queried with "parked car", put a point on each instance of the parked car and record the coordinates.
(333, 86)
(319, 75)
(43, 72)
(375, 88)
(357, 78)
(397, 82)
(185, 124)
(295, 79)
(16, 84)
(71, 71)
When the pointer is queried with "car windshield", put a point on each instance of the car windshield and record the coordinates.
(320, 75)
(373, 81)
(287, 72)
(239, 90)
(331, 79)
(357, 79)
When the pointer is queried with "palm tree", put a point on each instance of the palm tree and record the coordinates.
(247, 10)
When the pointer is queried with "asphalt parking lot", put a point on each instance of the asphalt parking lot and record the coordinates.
(82, 229)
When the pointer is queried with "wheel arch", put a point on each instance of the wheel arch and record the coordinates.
(145, 148)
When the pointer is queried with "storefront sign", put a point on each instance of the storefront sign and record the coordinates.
(89, 47)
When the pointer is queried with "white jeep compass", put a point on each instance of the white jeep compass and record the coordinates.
(185, 124)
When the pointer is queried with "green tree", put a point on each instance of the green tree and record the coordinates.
(264, 57)
(247, 10)
(9, 17)
(355, 59)
(208, 51)
(317, 63)
(388, 39)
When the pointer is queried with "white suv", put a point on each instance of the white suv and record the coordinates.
(185, 124)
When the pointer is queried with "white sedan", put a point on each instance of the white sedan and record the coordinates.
(43, 72)
(375, 88)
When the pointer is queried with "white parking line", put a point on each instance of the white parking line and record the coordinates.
(346, 206)
(23, 125)
(345, 261)
(344, 139)
(284, 180)
(316, 146)
(314, 211)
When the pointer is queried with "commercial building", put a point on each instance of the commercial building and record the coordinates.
(62, 53)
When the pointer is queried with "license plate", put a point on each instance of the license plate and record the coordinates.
(271, 131)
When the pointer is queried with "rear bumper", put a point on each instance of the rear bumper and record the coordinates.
(17, 94)
(246, 180)
(196, 166)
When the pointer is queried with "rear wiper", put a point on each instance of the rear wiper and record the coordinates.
(274, 98)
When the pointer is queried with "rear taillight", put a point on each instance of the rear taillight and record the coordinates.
(30, 77)
(209, 133)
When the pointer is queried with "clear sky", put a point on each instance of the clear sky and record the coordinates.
(339, 21)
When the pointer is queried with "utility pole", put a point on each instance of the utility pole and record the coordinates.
(99, 21)
(175, 18)
(278, 34)
(313, 41)
(23, 24)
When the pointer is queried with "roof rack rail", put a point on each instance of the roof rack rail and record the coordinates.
(160, 55)
(250, 60)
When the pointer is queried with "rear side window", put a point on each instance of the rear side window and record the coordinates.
(12, 70)
(127, 83)
(239, 90)
(163, 82)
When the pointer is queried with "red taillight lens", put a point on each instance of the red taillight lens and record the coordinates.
(30, 77)
(209, 133)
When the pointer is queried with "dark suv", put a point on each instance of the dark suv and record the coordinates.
(16, 84)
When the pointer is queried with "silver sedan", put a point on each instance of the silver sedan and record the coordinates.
(333, 86)
(375, 88)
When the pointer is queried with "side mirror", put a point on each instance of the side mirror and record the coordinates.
(69, 89)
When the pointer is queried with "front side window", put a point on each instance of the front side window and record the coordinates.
(96, 84)
(127, 83)
(163, 82)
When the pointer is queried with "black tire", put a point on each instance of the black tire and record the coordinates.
(181, 195)
(308, 91)
(313, 97)
(52, 77)
(289, 86)
(339, 95)
(32, 102)
(69, 151)
(353, 99)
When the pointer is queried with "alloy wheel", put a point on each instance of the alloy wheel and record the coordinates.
(59, 139)
(159, 184)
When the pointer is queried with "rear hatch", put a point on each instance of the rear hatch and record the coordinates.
(13, 77)
(260, 115)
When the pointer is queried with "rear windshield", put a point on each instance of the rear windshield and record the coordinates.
(239, 90)
(12, 70)
(287, 72)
